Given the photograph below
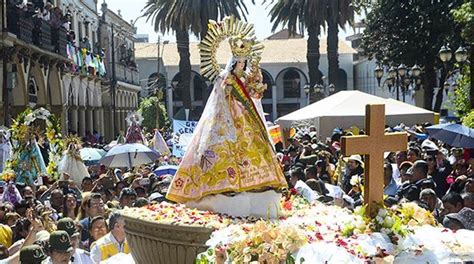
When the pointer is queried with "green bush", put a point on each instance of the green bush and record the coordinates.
(147, 108)
(468, 120)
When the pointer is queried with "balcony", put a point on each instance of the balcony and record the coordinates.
(35, 31)
(126, 74)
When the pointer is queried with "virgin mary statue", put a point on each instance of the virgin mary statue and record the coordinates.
(230, 165)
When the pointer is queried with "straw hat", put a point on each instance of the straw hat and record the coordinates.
(357, 158)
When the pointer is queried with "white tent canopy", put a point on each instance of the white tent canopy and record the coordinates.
(347, 108)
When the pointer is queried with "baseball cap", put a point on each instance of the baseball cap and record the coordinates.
(67, 224)
(33, 254)
(59, 240)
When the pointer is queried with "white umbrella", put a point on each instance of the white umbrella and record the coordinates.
(91, 155)
(129, 155)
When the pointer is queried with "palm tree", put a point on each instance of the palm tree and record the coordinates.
(339, 12)
(299, 15)
(183, 17)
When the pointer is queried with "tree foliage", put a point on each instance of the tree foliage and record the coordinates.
(459, 99)
(147, 109)
(468, 120)
(412, 31)
(465, 16)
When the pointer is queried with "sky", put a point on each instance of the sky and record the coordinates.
(131, 10)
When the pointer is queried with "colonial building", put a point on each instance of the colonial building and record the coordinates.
(53, 58)
(119, 97)
(284, 68)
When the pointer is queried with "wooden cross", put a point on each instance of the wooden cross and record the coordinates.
(373, 145)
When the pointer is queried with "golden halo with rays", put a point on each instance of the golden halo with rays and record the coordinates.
(229, 27)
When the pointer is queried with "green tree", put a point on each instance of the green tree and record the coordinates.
(148, 109)
(339, 13)
(464, 15)
(184, 16)
(298, 15)
(468, 120)
(412, 31)
(459, 99)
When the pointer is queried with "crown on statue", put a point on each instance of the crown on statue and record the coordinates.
(241, 48)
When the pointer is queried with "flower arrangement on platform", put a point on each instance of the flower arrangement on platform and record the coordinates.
(315, 232)
(262, 242)
(179, 214)
(23, 130)
(8, 175)
(395, 222)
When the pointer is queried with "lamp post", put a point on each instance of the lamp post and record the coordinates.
(400, 78)
(319, 89)
(158, 89)
(460, 56)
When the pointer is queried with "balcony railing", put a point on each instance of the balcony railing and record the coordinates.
(126, 74)
(36, 31)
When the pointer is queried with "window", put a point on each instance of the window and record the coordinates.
(267, 79)
(291, 84)
(32, 92)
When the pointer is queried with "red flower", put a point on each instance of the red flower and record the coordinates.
(341, 243)
(319, 236)
(293, 191)
(287, 205)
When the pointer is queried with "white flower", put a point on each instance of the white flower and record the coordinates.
(385, 230)
(382, 213)
(355, 180)
(388, 222)
(28, 119)
(379, 219)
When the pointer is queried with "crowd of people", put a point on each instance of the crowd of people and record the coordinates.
(437, 177)
(68, 222)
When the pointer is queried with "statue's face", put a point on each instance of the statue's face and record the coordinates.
(240, 64)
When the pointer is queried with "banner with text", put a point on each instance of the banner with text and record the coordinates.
(183, 131)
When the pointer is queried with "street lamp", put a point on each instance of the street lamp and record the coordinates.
(332, 88)
(460, 54)
(307, 90)
(445, 53)
(416, 70)
(399, 78)
(402, 70)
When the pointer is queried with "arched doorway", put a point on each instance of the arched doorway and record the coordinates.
(199, 94)
(290, 82)
(32, 92)
(341, 80)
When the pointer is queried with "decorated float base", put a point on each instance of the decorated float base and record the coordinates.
(164, 243)
(305, 233)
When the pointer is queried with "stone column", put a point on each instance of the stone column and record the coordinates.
(65, 120)
(96, 124)
(82, 122)
(169, 100)
(274, 102)
(73, 124)
(89, 119)
(117, 123)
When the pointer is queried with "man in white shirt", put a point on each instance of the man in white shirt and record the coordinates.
(60, 249)
(112, 243)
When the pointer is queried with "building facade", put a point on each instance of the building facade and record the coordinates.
(284, 68)
(120, 94)
(53, 58)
